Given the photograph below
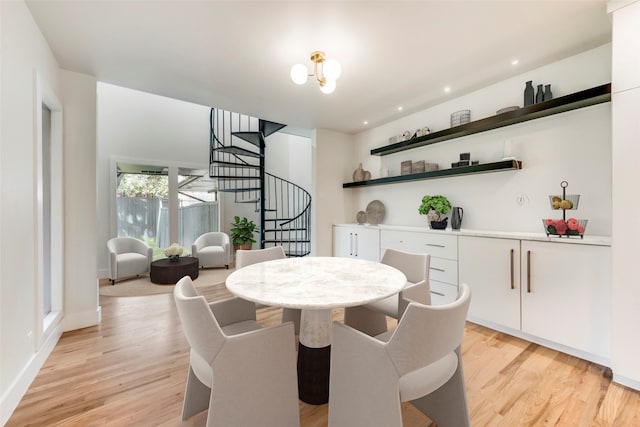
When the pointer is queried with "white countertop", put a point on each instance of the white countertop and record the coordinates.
(586, 240)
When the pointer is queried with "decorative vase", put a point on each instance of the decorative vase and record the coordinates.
(547, 93)
(539, 94)
(174, 258)
(528, 93)
(358, 174)
(439, 225)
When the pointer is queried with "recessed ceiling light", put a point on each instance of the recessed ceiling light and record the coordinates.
(400, 108)
(515, 61)
(365, 122)
(447, 89)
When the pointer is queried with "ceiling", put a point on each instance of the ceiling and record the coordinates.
(236, 55)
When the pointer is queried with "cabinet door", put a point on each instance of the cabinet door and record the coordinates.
(366, 244)
(343, 242)
(491, 268)
(566, 294)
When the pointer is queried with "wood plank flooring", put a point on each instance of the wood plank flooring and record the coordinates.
(131, 371)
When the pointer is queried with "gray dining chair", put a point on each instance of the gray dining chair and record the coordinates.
(245, 257)
(371, 318)
(418, 362)
(244, 373)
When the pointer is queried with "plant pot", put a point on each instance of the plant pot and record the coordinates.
(439, 225)
(174, 258)
(244, 246)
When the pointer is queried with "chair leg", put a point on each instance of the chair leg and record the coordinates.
(368, 321)
(113, 282)
(196, 396)
(226, 266)
(447, 406)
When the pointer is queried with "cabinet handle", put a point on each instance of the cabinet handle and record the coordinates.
(437, 246)
(356, 234)
(437, 269)
(529, 272)
(438, 293)
(350, 243)
(512, 283)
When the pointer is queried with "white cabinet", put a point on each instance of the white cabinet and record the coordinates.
(356, 242)
(443, 274)
(557, 292)
(491, 268)
(566, 294)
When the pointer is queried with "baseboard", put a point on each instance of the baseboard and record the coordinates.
(627, 382)
(82, 320)
(16, 391)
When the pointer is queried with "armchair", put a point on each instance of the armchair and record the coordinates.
(128, 257)
(212, 249)
(244, 374)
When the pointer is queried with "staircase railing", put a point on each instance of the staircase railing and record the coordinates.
(237, 148)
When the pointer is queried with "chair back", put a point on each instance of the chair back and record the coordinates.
(427, 333)
(212, 238)
(414, 266)
(200, 326)
(254, 256)
(121, 245)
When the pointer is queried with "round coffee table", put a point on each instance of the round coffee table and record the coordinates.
(165, 272)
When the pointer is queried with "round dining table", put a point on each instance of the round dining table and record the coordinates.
(316, 285)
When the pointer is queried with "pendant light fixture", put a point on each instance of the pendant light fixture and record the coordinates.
(325, 71)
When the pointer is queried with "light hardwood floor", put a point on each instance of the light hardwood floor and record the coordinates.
(131, 371)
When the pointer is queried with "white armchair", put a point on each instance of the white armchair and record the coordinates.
(372, 318)
(212, 249)
(418, 362)
(128, 257)
(244, 374)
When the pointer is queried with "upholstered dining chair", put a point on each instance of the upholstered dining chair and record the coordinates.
(212, 249)
(244, 374)
(128, 257)
(254, 256)
(419, 362)
(371, 318)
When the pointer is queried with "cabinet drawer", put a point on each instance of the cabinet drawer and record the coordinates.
(441, 246)
(444, 270)
(442, 293)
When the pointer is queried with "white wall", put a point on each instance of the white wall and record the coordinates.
(25, 54)
(574, 146)
(626, 203)
(142, 128)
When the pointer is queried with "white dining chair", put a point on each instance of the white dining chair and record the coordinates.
(212, 249)
(245, 257)
(128, 257)
(418, 362)
(371, 318)
(244, 373)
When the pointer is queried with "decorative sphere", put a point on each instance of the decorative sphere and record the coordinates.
(299, 74)
(331, 69)
(329, 87)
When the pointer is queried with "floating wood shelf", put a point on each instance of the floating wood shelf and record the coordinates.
(504, 165)
(585, 98)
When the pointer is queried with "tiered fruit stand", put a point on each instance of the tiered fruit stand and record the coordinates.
(564, 227)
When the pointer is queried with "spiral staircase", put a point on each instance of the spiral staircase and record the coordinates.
(237, 162)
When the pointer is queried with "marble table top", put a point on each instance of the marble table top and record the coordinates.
(316, 282)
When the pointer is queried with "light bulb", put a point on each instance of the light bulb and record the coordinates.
(328, 87)
(331, 69)
(299, 74)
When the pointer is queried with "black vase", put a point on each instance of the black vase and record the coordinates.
(528, 93)
(539, 94)
(547, 93)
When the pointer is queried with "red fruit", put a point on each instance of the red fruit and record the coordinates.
(548, 221)
(580, 229)
(561, 227)
(572, 224)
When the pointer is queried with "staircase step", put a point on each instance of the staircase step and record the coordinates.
(232, 165)
(284, 230)
(238, 190)
(297, 253)
(254, 138)
(283, 241)
(248, 201)
(232, 177)
(237, 150)
(269, 128)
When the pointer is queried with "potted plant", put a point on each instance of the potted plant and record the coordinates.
(433, 207)
(242, 232)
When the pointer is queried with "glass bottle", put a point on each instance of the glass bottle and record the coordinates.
(547, 93)
(528, 93)
(539, 94)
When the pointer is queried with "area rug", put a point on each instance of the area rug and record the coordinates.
(141, 286)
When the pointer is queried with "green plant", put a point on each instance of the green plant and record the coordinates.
(438, 203)
(242, 231)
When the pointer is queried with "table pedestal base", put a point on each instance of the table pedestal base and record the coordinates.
(313, 374)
